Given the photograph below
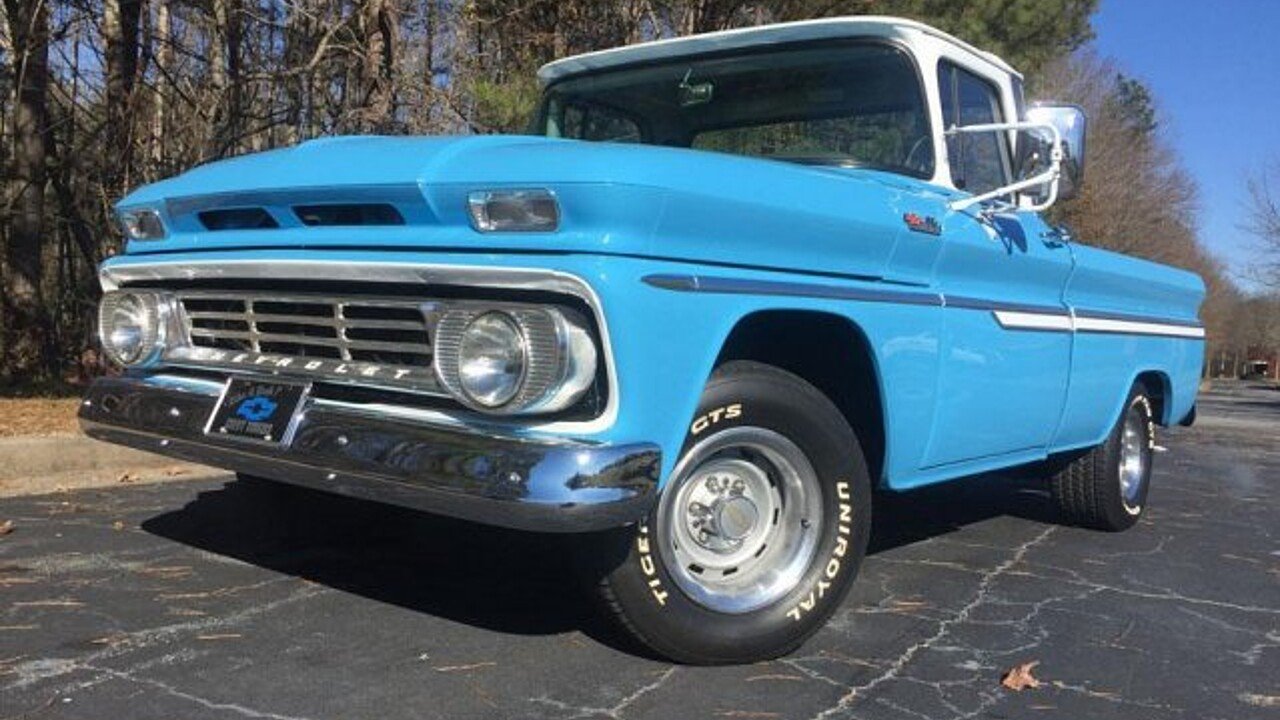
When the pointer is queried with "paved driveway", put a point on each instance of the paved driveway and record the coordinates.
(191, 600)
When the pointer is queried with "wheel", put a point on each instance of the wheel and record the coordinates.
(759, 531)
(1106, 488)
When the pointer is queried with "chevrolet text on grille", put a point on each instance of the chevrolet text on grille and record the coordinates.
(317, 366)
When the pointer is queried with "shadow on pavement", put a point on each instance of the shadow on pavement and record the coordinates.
(502, 580)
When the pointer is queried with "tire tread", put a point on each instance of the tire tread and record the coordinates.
(1084, 489)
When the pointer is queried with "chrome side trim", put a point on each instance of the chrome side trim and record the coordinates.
(1128, 317)
(1078, 323)
(1136, 327)
(1011, 316)
(550, 485)
(132, 270)
(968, 303)
(738, 286)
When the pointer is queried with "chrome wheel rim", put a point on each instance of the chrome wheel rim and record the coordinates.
(739, 521)
(1133, 459)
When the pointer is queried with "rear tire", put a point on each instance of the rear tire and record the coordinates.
(757, 535)
(1106, 487)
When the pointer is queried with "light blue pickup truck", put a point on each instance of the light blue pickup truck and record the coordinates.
(726, 287)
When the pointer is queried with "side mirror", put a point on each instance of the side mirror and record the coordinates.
(1035, 148)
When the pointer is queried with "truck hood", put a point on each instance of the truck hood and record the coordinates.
(615, 198)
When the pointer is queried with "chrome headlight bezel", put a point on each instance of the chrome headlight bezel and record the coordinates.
(142, 223)
(523, 211)
(152, 312)
(561, 358)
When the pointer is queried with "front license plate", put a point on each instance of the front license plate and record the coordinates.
(261, 410)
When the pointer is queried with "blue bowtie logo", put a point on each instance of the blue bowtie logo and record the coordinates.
(257, 408)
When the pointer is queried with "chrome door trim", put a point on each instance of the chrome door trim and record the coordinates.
(741, 286)
(1011, 316)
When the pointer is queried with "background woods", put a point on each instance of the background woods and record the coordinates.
(100, 96)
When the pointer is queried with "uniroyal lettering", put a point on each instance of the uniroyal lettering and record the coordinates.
(648, 567)
(834, 563)
(728, 412)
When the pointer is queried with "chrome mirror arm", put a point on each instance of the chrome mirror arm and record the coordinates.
(1049, 177)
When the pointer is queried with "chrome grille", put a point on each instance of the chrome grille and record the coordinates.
(370, 340)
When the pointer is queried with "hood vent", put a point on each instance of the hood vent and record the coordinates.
(366, 206)
(347, 215)
(253, 218)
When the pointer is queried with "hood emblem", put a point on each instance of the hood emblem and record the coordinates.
(922, 224)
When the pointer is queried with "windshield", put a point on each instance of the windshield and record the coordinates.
(856, 105)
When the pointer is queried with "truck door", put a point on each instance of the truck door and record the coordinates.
(1006, 340)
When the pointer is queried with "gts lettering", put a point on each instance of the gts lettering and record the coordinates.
(647, 566)
(728, 412)
(832, 569)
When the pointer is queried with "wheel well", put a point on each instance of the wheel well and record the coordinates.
(1157, 386)
(828, 351)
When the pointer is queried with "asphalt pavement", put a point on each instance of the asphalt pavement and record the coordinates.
(217, 599)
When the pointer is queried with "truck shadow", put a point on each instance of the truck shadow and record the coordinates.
(501, 580)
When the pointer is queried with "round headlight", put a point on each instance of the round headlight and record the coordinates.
(129, 326)
(492, 358)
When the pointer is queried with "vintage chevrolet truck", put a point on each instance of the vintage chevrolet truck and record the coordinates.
(724, 289)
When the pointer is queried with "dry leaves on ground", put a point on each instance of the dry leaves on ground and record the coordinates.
(1019, 677)
(38, 416)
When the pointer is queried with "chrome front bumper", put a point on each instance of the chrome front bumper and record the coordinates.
(543, 485)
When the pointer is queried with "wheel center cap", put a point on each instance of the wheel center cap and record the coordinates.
(736, 517)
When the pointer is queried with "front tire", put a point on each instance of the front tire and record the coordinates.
(1106, 487)
(758, 533)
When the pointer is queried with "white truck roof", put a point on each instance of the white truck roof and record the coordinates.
(841, 27)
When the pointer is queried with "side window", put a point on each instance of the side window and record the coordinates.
(595, 122)
(979, 161)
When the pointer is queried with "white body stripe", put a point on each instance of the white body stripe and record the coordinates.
(1134, 327)
(1033, 321)
(1018, 320)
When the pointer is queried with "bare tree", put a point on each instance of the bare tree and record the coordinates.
(26, 322)
(121, 22)
(1264, 223)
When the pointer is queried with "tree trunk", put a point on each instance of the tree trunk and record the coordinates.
(163, 41)
(26, 319)
(120, 23)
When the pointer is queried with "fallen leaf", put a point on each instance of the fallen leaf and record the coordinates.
(117, 525)
(1019, 677)
(6, 527)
